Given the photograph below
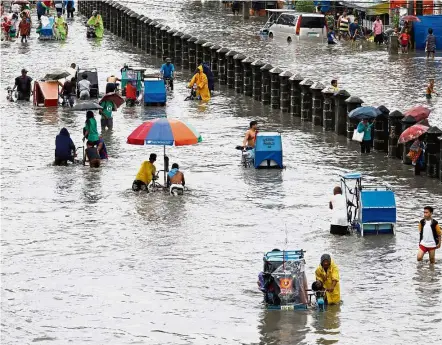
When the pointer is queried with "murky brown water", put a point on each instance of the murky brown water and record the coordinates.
(84, 260)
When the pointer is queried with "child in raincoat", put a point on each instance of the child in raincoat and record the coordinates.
(97, 22)
(328, 274)
(202, 83)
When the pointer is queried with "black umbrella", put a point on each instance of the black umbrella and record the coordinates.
(87, 106)
(56, 75)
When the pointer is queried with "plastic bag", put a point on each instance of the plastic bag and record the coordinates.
(358, 136)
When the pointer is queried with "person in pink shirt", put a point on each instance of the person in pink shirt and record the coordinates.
(378, 30)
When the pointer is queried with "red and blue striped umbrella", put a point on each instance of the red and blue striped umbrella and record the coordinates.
(164, 132)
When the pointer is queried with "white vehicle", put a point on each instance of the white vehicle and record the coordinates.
(289, 24)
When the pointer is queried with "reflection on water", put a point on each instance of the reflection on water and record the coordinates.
(277, 327)
(87, 260)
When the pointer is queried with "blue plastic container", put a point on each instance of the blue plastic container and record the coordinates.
(268, 150)
(154, 91)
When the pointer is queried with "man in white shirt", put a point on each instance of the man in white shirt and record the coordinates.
(84, 87)
(338, 205)
(430, 235)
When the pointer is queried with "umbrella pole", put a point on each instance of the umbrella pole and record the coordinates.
(164, 154)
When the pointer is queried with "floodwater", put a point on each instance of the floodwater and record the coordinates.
(85, 260)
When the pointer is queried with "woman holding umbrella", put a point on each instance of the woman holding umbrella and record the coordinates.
(417, 155)
(365, 126)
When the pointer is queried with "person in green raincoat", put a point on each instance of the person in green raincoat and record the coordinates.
(60, 27)
(97, 22)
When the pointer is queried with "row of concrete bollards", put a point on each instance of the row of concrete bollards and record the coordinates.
(292, 93)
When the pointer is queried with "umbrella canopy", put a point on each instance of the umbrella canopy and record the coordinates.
(113, 97)
(87, 106)
(56, 75)
(165, 132)
(412, 133)
(363, 113)
(411, 18)
(419, 112)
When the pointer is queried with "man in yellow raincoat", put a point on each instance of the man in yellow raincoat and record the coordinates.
(328, 274)
(97, 22)
(60, 27)
(200, 79)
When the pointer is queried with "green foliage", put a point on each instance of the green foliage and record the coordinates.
(305, 6)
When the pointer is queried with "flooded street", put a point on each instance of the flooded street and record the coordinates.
(85, 260)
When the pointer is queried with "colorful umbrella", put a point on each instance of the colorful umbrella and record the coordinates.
(362, 113)
(411, 18)
(412, 133)
(114, 98)
(419, 112)
(165, 132)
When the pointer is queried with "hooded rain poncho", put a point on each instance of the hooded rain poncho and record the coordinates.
(327, 279)
(200, 79)
(97, 22)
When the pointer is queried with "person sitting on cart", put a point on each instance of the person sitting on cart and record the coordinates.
(92, 156)
(112, 83)
(175, 176)
(64, 148)
(145, 175)
(328, 274)
(84, 87)
(101, 147)
(131, 93)
(167, 72)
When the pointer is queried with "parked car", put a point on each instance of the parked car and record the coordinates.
(290, 24)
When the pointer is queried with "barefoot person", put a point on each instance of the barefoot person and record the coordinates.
(430, 235)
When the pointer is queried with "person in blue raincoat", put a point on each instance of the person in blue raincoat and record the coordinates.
(208, 72)
(70, 7)
(64, 148)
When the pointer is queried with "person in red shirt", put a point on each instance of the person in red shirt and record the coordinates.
(24, 28)
(6, 27)
(131, 94)
(404, 39)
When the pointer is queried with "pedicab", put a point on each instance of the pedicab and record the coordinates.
(284, 283)
(45, 28)
(129, 73)
(92, 76)
(164, 132)
(371, 209)
(267, 153)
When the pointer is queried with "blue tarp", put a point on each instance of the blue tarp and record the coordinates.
(421, 30)
(268, 146)
(47, 25)
(154, 91)
(378, 206)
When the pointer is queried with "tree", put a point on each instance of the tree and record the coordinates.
(305, 6)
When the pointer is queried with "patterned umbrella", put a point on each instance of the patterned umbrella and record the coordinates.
(412, 133)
